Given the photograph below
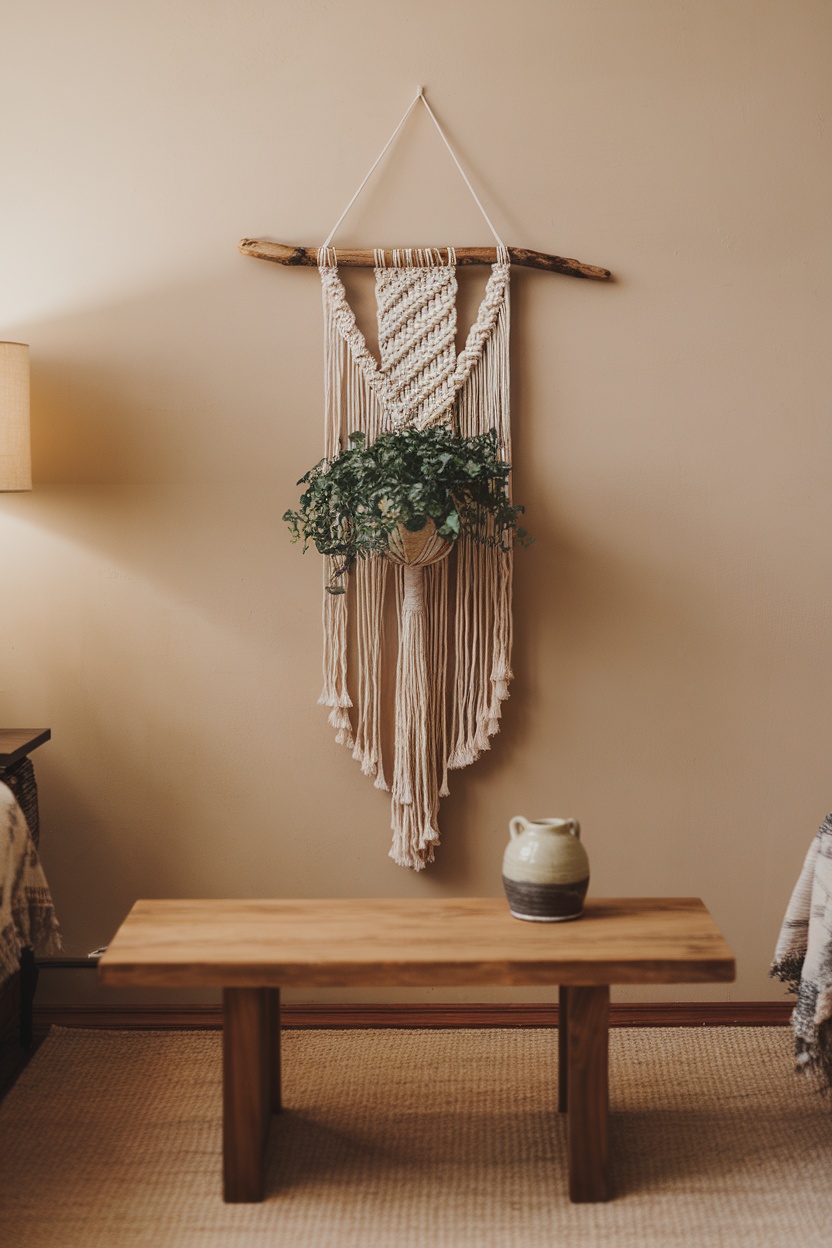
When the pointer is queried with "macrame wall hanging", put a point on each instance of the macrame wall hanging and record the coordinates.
(453, 661)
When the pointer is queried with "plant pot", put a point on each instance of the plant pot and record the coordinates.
(417, 548)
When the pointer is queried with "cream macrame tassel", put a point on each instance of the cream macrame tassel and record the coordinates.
(415, 791)
(370, 586)
(334, 693)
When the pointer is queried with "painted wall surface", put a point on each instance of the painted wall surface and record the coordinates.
(673, 437)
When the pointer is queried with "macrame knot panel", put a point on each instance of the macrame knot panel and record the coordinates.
(410, 387)
(417, 336)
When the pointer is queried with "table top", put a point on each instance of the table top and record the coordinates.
(405, 943)
(16, 743)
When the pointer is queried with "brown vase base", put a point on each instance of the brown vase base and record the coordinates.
(545, 903)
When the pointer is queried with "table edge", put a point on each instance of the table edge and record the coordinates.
(119, 966)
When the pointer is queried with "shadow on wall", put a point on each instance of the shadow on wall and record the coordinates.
(617, 676)
(198, 406)
(209, 381)
(189, 657)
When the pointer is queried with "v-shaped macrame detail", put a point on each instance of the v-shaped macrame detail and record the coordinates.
(443, 373)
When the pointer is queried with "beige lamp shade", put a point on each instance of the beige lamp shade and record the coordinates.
(15, 447)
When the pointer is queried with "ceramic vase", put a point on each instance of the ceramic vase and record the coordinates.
(545, 870)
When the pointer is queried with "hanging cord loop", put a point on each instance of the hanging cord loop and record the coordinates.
(326, 256)
(500, 244)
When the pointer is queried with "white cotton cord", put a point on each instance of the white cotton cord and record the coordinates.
(502, 250)
(436, 590)
(482, 617)
(417, 338)
(415, 789)
(371, 580)
(418, 96)
(334, 693)
(381, 568)
(500, 244)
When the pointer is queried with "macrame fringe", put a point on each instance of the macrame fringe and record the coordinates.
(334, 693)
(482, 618)
(415, 806)
(370, 587)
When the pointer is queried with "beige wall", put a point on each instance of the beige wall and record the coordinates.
(672, 431)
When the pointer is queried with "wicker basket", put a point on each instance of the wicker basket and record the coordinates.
(417, 548)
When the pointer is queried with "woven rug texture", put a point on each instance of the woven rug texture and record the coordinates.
(399, 1138)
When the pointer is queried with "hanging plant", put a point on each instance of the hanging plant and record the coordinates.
(405, 480)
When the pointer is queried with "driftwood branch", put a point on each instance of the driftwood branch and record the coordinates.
(364, 257)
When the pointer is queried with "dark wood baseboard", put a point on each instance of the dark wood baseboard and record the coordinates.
(209, 1017)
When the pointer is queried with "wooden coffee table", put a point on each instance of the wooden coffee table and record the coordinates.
(251, 949)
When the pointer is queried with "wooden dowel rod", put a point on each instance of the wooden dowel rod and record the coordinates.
(364, 258)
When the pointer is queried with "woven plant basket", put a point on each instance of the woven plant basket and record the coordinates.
(417, 548)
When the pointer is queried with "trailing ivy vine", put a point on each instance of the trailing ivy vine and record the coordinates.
(406, 477)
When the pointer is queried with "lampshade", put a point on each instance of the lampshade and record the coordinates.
(15, 450)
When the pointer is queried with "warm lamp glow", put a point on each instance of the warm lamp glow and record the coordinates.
(15, 450)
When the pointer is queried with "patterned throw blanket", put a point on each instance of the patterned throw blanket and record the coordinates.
(27, 916)
(803, 957)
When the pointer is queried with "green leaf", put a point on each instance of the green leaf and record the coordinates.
(353, 501)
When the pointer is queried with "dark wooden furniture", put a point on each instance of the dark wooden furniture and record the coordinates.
(17, 993)
(16, 743)
(16, 770)
(251, 949)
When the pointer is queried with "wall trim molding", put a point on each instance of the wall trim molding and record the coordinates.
(622, 1014)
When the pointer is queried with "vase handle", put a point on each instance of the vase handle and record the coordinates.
(575, 828)
(517, 826)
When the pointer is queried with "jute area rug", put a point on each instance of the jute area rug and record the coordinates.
(420, 1138)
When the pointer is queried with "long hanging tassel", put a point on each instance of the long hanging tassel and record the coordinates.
(415, 791)
(462, 754)
(370, 584)
(351, 406)
(501, 673)
(436, 606)
(334, 693)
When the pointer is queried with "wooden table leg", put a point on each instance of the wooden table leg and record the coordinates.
(588, 1093)
(247, 1091)
(276, 1097)
(563, 1049)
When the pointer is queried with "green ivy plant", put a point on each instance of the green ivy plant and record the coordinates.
(354, 500)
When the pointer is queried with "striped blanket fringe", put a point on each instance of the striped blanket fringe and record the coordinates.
(27, 916)
(803, 958)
